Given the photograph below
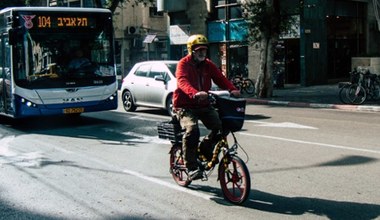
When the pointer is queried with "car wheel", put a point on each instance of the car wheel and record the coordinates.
(169, 105)
(128, 103)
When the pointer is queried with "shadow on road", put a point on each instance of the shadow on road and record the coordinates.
(110, 128)
(298, 206)
(268, 202)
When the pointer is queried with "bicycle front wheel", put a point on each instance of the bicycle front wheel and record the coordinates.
(343, 94)
(249, 86)
(234, 179)
(356, 94)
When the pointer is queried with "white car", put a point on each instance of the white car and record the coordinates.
(150, 84)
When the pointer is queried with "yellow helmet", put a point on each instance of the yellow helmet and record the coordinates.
(196, 41)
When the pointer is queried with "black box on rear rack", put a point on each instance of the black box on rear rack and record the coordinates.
(170, 130)
(231, 112)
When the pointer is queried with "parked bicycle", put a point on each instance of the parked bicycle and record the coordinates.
(362, 86)
(233, 173)
(243, 84)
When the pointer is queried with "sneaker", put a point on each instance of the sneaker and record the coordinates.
(194, 174)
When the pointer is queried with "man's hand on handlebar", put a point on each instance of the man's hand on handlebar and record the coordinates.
(235, 93)
(202, 95)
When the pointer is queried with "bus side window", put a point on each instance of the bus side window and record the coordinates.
(14, 35)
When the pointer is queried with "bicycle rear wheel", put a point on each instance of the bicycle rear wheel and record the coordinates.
(237, 83)
(356, 94)
(177, 166)
(249, 86)
(234, 179)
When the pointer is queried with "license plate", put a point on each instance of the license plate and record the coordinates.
(73, 110)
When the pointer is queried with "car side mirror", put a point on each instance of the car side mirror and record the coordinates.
(159, 78)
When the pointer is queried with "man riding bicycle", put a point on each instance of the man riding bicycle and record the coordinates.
(195, 73)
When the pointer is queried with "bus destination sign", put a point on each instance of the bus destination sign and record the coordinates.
(48, 21)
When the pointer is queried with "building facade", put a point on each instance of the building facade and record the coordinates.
(331, 32)
(141, 33)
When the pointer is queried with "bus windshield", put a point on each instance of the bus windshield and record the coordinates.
(76, 53)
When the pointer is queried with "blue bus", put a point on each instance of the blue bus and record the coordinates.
(56, 60)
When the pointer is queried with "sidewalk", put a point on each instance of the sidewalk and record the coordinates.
(320, 96)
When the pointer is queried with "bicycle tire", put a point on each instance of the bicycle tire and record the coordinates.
(343, 94)
(237, 83)
(356, 94)
(249, 86)
(177, 166)
(234, 179)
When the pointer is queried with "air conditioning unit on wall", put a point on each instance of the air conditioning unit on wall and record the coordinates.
(132, 30)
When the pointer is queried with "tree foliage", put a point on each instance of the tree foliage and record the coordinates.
(267, 18)
(112, 4)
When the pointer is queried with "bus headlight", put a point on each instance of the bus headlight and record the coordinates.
(112, 97)
(28, 103)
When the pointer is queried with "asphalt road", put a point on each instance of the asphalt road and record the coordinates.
(304, 164)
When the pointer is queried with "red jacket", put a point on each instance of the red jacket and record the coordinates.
(192, 78)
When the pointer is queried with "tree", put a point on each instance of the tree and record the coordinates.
(112, 4)
(265, 22)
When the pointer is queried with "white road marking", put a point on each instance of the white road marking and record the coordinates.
(145, 138)
(33, 159)
(280, 125)
(311, 143)
(166, 184)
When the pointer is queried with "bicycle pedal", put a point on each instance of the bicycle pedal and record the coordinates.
(204, 178)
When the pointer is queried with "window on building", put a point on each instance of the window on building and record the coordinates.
(154, 13)
(228, 9)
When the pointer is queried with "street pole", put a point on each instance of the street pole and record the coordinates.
(227, 33)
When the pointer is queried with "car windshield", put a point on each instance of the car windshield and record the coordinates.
(172, 67)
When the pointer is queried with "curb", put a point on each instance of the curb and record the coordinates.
(363, 108)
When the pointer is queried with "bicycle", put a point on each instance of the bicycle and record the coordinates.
(233, 173)
(372, 85)
(349, 92)
(243, 84)
(364, 85)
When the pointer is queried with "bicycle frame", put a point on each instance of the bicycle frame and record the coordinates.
(222, 147)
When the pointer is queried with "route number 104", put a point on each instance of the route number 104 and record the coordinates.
(44, 21)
